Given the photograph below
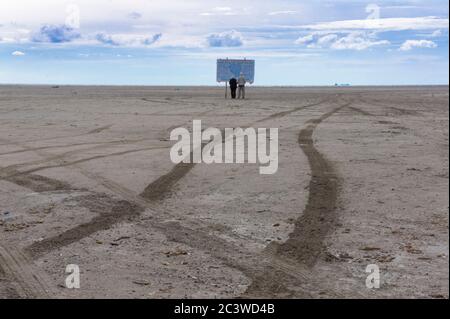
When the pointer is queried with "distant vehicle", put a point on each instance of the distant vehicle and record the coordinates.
(341, 84)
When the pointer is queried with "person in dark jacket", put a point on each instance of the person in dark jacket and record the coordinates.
(233, 87)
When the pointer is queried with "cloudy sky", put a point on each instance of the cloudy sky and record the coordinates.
(175, 42)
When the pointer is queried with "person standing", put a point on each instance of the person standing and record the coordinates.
(233, 87)
(241, 85)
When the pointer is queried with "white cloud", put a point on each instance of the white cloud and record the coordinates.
(129, 40)
(436, 33)
(411, 44)
(133, 22)
(135, 15)
(55, 34)
(305, 39)
(214, 54)
(10, 34)
(221, 11)
(179, 40)
(275, 13)
(323, 41)
(357, 41)
(225, 39)
(327, 39)
(18, 53)
(392, 24)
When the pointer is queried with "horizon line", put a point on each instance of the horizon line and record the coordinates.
(222, 86)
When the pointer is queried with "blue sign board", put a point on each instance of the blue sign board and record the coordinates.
(229, 68)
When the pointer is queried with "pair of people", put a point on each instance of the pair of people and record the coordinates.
(238, 84)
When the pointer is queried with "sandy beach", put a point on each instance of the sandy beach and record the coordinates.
(86, 179)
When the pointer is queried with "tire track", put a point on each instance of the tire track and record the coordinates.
(27, 278)
(100, 129)
(318, 218)
(394, 110)
(36, 183)
(82, 160)
(246, 262)
(305, 242)
(155, 191)
(287, 112)
(27, 283)
(71, 145)
(109, 212)
(360, 111)
(156, 101)
(161, 187)
(274, 271)
(24, 281)
(166, 182)
(193, 234)
(50, 158)
(94, 131)
(106, 216)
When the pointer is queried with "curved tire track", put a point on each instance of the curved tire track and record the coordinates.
(305, 242)
(161, 187)
(247, 262)
(318, 218)
(155, 191)
(109, 211)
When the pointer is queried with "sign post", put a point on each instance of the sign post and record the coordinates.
(226, 90)
(232, 68)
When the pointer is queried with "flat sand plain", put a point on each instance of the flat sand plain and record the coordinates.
(86, 179)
